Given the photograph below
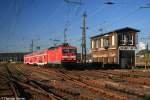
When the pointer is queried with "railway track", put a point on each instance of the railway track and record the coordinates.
(61, 76)
(109, 85)
(115, 82)
(7, 89)
(30, 83)
(84, 81)
(131, 77)
(68, 93)
(84, 84)
(107, 92)
(24, 90)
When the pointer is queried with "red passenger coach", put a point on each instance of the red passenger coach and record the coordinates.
(39, 57)
(62, 54)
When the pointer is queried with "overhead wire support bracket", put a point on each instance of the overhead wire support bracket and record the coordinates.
(65, 36)
(146, 6)
(83, 44)
(73, 2)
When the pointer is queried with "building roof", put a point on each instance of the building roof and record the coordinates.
(117, 30)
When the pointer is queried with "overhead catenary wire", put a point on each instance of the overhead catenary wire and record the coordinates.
(113, 23)
(70, 14)
(125, 17)
(98, 10)
(16, 15)
(77, 2)
(121, 19)
(16, 6)
(77, 5)
(128, 15)
(5, 15)
(72, 3)
(20, 6)
(51, 18)
(14, 21)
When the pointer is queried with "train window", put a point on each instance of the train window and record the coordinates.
(69, 51)
(72, 51)
(65, 51)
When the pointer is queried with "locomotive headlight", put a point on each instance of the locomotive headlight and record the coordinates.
(69, 57)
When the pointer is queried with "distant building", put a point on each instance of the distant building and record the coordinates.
(142, 46)
(143, 58)
(115, 47)
(11, 57)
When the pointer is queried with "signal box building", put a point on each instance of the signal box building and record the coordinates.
(115, 47)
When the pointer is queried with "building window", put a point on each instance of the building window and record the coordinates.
(101, 42)
(136, 39)
(125, 39)
(113, 40)
(96, 43)
(130, 39)
(122, 39)
(106, 42)
(92, 44)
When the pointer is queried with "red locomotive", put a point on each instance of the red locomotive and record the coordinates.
(61, 54)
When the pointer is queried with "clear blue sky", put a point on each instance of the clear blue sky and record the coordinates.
(41, 20)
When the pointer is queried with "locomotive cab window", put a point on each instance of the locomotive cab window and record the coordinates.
(65, 51)
(72, 51)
